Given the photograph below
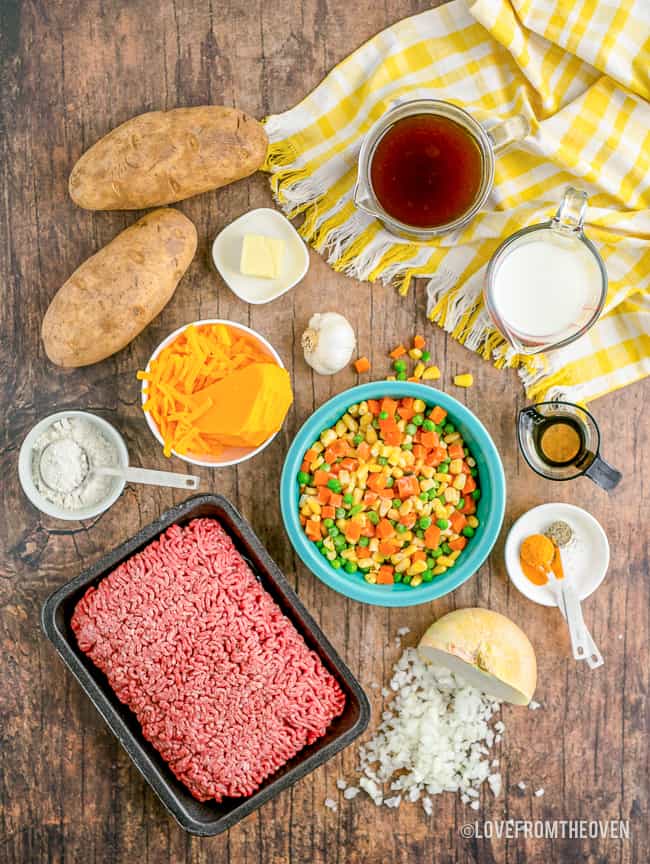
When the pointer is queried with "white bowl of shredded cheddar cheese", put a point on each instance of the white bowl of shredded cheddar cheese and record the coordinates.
(162, 417)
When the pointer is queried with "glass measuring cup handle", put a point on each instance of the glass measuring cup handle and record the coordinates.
(570, 215)
(603, 474)
(508, 132)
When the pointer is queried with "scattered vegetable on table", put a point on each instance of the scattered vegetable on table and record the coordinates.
(390, 491)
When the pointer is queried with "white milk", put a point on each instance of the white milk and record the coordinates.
(544, 283)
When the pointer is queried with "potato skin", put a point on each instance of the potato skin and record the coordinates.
(113, 295)
(165, 156)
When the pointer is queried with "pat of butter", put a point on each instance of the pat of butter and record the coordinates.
(261, 256)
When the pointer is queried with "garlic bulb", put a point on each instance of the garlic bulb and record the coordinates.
(328, 342)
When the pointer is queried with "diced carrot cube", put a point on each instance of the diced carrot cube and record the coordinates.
(419, 451)
(336, 500)
(310, 455)
(352, 531)
(363, 451)
(328, 512)
(368, 530)
(458, 544)
(336, 467)
(408, 519)
(384, 529)
(385, 575)
(470, 506)
(370, 497)
(387, 492)
(419, 555)
(407, 486)
(438, 414)
(429, 439)
(305, 467)
(349, 464)
(398, 351)
(312, 529)
(324, 494)
(458, 521)
(388, 547)
(389, 406)
(329, 455)
(362, 365)
(432, 536)
(419, 342)
(321, 478)
(455, 451)
(373, 406)
(376, 482)
(413, 379)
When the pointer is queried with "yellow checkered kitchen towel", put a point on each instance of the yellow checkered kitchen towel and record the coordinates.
(579, 70)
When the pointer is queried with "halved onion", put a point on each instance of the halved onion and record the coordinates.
(485, 648)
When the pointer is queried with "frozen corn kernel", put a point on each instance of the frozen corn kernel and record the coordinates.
(439, 570)
(472, 521)
(431, 373)
(419, 406)
(418, 372)
(456, 466)
(465, 380)
(415, 354)
(416, 580)
(459, 481)
(417, 567)
(403, 565)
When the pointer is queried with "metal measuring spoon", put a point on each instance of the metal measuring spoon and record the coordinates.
(582, 643)
(148, 476)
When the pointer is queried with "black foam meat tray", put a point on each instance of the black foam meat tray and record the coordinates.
(209, 817)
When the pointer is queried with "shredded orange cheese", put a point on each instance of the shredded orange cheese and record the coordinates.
(197, 358)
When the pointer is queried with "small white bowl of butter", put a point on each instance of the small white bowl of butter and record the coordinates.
(260, 256)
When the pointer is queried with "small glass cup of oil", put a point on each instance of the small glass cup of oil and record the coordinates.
(561, 441)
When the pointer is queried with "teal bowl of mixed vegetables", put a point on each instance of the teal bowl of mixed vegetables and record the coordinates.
(393, 493)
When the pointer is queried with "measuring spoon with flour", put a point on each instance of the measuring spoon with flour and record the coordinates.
(71, 452)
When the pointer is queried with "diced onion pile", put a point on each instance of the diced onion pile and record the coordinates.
(435, 737)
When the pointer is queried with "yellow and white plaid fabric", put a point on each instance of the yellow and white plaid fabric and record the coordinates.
(580, 71)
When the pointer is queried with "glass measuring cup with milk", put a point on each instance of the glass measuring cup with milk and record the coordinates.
(546, 284)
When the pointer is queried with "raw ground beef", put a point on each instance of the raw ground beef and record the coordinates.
(223, 685)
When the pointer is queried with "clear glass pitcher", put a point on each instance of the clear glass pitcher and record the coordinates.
(583, 458)
(546, 285)
(491, 142)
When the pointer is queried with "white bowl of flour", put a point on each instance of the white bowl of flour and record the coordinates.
(54, 465)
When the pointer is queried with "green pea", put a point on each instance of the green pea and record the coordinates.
(325, 467)
(334, 485)
(373, 516)
(304, 478)
(468, 531)
(397, 503)
(397, 577)
(460, 504)
(347, 498)
(426, 356)
(418, 420)
(383, 415)
(449, 429)
(424, 522)
(473, 472)
(350, 567)
(446, 548)
(401, 376)
(476, 494)
(328, 523)
(443, 468)
(411, 429)
(399, 366)
(431, 563)
(324, 550)
(406, 579)
(428, 426)
(364, 541)
(357, 440)
(436, 553)
(333, 531)
(375, 423)
(431, 494)
(390, 482)
(319, 544)
(427, 576)
(442, 524)
(339, 543)
(423, 496)
(382, 460)
(419, 533)
(356, 509)
(407, 445)
(336, 564)
(340, 513)
(400, 528)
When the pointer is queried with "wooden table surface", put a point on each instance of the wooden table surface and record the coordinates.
(72, 70)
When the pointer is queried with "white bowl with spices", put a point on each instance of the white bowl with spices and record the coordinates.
(69, 491)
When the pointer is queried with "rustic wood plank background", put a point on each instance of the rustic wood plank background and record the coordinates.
(71, 70)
